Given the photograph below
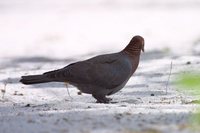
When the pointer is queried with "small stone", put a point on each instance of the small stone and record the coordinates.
(79, 93)
(55, 109)
(188, 63)
(152, 94)
(3, 91)
(18, 94)
(15, 93)
(27, 105)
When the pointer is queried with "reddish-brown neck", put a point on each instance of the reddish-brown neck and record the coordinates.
(134, 53)
(132, 50)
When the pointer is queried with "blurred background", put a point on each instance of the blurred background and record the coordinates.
(67, 28)
(42, 35)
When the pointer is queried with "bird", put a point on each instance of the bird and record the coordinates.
(100, 76)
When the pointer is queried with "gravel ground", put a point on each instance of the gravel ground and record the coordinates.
(143, 105)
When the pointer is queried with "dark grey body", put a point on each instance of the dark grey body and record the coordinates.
(100, 76)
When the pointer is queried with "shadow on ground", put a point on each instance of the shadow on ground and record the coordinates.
(15, 62)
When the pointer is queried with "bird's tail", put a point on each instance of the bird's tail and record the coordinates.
(34, 79)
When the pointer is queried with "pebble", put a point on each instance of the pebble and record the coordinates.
(152, 94)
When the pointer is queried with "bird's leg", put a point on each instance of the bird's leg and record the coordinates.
(66, 85)
(101, 98)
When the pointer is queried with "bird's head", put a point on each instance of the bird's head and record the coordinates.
(137, 42)
(135, 45)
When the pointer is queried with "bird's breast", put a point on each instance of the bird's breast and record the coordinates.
(116, 89)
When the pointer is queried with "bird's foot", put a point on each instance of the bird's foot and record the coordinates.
(102, 99)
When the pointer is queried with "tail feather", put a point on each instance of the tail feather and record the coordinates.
(34, 79)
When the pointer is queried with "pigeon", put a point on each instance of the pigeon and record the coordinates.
(100, 76)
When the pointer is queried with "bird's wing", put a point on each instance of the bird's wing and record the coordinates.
(111, 74)
(105, 71)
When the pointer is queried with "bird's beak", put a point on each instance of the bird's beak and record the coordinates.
(142, 49)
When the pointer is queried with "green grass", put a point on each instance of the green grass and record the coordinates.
(190, 83)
